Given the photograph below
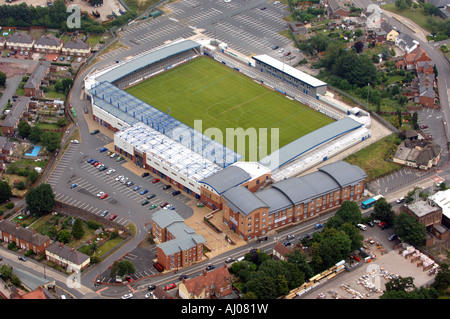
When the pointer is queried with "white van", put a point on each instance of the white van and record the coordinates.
(363, 227)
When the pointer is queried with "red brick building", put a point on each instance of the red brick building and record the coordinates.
(24, 238)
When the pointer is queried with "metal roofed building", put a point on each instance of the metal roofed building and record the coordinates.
(304, 82)
(164, 157)
(179, 245)
(293, 200)
(315, 147)
(122, 69)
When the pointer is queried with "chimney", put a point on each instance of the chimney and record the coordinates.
(17, 226)
(204, 272)
(61, 245)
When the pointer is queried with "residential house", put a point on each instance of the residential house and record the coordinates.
(280, 251)
(160, 293)
(292, 200)
(70, 259)
(21, 41)
(39, 293)
(48, 43)
(11, 120)
(6, 148)
(421, 154)
(24, 238)
(338, 8)
(391, 33)
(34, 82)
(76, 47)
(2, 42)
(214, 284)
(406, 43)
(179, 245)
(380, 35)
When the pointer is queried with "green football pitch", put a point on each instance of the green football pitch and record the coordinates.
(203, 89)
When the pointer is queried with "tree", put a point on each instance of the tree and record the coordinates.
(331, 246)
(414, 121)
(383, 211)
(5, 192)
(35, 135)
(442, 279)
(401, 4)
(349, 212)
(409, 230)
(300, 259)
(359, 46)
(2, 79)
(50, 140)
(402, 99)
(64, 236)
(40, 200)
(24, 129)
(77, 229)
(122, 268)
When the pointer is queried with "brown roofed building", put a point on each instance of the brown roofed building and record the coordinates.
(11, 121)
(24, 238)
(67, 257)
(48, 43)
(33, 84)
(210, 285)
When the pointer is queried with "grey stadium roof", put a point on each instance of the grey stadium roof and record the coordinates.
(227, 178)
(308, 142)
(295, 190)
(147, 59)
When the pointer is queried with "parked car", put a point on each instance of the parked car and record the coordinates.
(119, 159)
(103, 149)
(155, 180)
(151, 196)
(289, 237)
(275, 47)
(229, 260)
(317, 226)
(79, 60)
(164, 204)
(93, 132)
(423, 127)
(287, 243)
(73, 185)
(110, 171)
(104, 213)
(127, 296)
(153, 206)
(392, 237)
(145, 174)
(136, 188)
(144, 202)
(100, 194)
(75, 141)
(210, 267)
(400, 200)
(129, 183)
(22, 258)
(152, 287)
(86, 111)
(149, 295)
(103, 168)
(145, 191)
(114, 216)
(104, 196)
(166, 186)
(176, 193)
(158, 267)
(181, 277)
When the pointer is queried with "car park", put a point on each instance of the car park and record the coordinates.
(176, 193)
(145, 191)
(114, 216)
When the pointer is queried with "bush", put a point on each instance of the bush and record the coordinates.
(9, 205)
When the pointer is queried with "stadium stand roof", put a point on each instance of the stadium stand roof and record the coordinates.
(131, 110)
(287, 69)
(167, 151)
(308, 142)
(146, 59)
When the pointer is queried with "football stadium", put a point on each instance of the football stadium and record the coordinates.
(155, 100)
